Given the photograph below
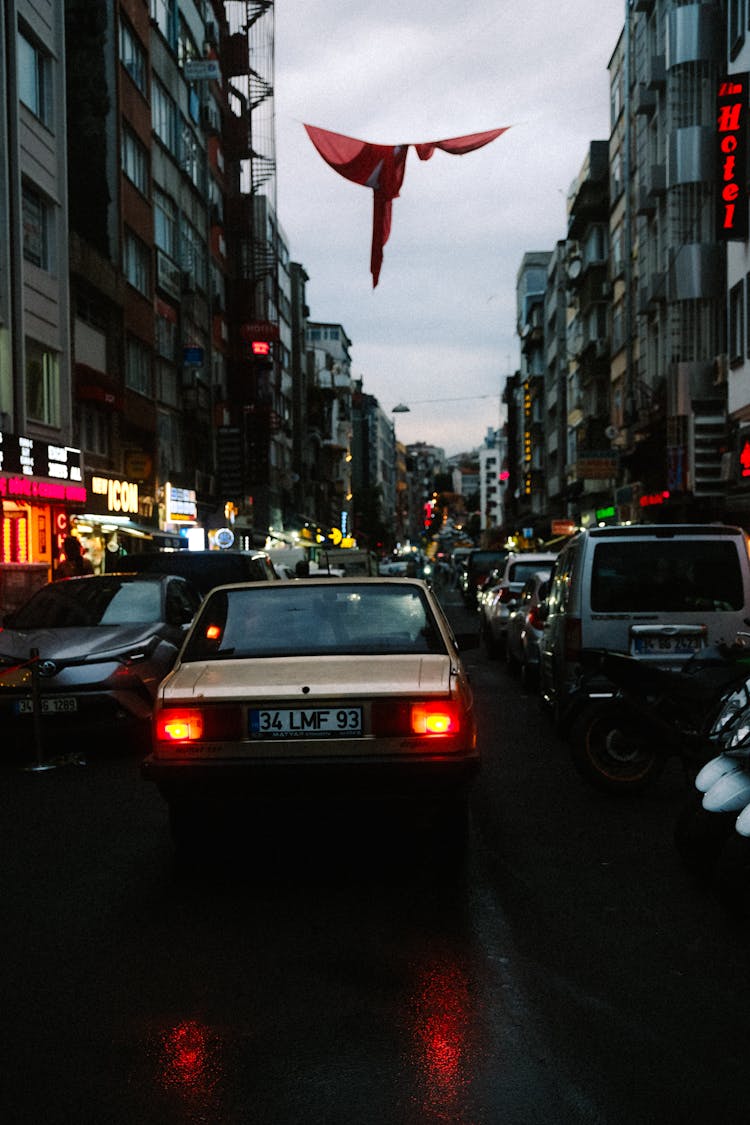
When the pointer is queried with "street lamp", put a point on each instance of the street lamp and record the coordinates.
(401, 408)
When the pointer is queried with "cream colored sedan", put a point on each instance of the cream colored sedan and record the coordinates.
(346, 688)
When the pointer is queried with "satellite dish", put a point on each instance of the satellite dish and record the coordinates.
(611, 433)
(575, 266)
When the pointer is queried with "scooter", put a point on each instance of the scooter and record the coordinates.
(634, 716)
(712, 834)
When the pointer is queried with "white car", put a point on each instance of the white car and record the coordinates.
(504, 597)
(351, 687)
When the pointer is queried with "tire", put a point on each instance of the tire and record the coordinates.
(609, 750)
(700, 836)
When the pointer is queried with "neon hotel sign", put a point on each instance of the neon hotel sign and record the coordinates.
(731, 124)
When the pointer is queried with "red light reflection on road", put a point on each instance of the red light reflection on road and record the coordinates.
(190, 1063)
(440, 1029)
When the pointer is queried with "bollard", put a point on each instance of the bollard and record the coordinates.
(36, 702)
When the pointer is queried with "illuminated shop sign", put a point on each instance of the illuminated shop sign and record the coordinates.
(34, 458)
(26, 488)
(113, 497)
(731, 126)
(180, 504)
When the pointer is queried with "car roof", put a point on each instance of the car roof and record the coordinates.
(330, 580)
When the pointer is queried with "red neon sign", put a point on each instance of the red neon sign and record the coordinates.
(260, 347)
(745, 460)
(654, 498)
(731, 123)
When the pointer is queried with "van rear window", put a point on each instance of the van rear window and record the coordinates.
(666, 577)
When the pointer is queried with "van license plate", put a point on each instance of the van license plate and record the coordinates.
(306, 722)
(658, 646)
(56, 705)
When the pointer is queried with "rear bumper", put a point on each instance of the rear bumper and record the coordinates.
(422, 779)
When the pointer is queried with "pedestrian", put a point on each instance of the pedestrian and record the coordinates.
(75, 562)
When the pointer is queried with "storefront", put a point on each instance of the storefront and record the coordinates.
(118, 520)
(41, 489)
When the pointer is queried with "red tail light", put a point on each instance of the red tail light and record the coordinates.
(179, 726)
(195, 724)
(534, 619)
(431, 718)
(435, 718)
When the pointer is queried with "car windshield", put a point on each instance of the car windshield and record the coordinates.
(89, 602)
(319, 619)
(676, 577)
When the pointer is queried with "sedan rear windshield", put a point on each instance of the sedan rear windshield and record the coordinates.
(666, 577)
(321, 619)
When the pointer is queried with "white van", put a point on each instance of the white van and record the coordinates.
(659, 593)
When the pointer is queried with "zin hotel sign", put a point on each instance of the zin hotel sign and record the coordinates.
(731, 125)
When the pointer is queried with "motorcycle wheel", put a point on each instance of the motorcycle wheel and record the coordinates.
(700, 836)
(610, 750)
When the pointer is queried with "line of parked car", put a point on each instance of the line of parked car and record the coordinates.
(663, 597)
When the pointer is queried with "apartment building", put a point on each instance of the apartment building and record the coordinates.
(41, 467)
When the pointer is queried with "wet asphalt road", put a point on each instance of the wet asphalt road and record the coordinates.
(327, 969)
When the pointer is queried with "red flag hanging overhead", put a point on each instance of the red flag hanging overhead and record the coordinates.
(382, 167)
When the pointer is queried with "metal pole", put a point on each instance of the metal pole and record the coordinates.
(36, 702)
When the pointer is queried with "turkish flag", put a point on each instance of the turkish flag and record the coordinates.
(382, 167)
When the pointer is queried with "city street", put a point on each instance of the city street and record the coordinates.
(324, 968)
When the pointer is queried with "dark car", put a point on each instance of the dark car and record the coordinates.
(479, 565)
(92, 651)
(205, 569)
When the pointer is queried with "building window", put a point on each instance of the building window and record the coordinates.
(164, 117)
(137, 263)
(34, 78)
(166, 336)
(736, 27)
(165, 224)
(42, 384)
(193, 254)
(133, 57)
(192, 159)
(167, 390)
(135, 160)
(747, 310)
(36, 228)
(163, 15)
(137, 366)
(93, 429)
(170, 444)
(737, 323)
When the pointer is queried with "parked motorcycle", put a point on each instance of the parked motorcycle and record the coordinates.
(633, 717)
(713, 832)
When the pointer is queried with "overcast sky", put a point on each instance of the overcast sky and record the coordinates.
(438, 333)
